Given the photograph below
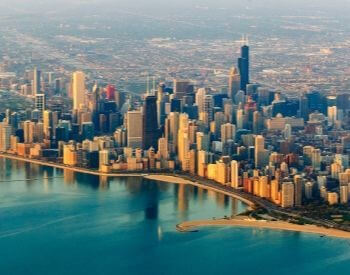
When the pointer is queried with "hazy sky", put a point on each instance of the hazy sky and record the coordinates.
(31, 5)
(263, 8)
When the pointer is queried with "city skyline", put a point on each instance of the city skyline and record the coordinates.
(219, 116)
(158, 137)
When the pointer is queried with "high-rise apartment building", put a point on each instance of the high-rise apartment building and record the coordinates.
(287, 194)
(5, 136)
(28, 131)
(234, 174)
(183, 138)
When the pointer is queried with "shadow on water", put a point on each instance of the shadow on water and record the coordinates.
(143, 192)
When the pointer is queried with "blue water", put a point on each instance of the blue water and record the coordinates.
(61, 222)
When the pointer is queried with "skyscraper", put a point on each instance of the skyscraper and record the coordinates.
(5, 136)
(259, 149)
(150, 122)
(40, 103)
(135, 129)
(234, 83)
(163, 148)
(332, 115)
(48, 123)
(87, 130)
(240, 118)
(228, 132)
(36, 81)
(78, 90)
(298, 190)
(208, 107)
(120, 98)
(243, 66)
(183, 139)
(110, 92)
(172, 129)
(316, 159)
(182, 88)
(161, 104)
(234, 174)
(28, 131)
(287, 194)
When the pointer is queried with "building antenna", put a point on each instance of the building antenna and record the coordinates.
(147, 83)
(154, 83)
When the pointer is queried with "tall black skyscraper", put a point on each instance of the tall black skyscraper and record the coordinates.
(243, 66)
(150, 122)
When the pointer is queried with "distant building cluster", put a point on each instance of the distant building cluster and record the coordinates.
(286, 150)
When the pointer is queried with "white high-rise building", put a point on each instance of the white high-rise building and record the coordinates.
(78, 90)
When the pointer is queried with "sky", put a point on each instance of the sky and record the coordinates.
(262, 8)
(32, 5)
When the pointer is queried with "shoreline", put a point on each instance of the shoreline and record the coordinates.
(191, 226)
(174, 179)
(243, 221)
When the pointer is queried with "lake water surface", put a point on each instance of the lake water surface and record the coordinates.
(61, 222)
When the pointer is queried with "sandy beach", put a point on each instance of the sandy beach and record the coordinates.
(169, 179)
(275, 225)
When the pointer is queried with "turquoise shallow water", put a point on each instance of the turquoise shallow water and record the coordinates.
(60, 222)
